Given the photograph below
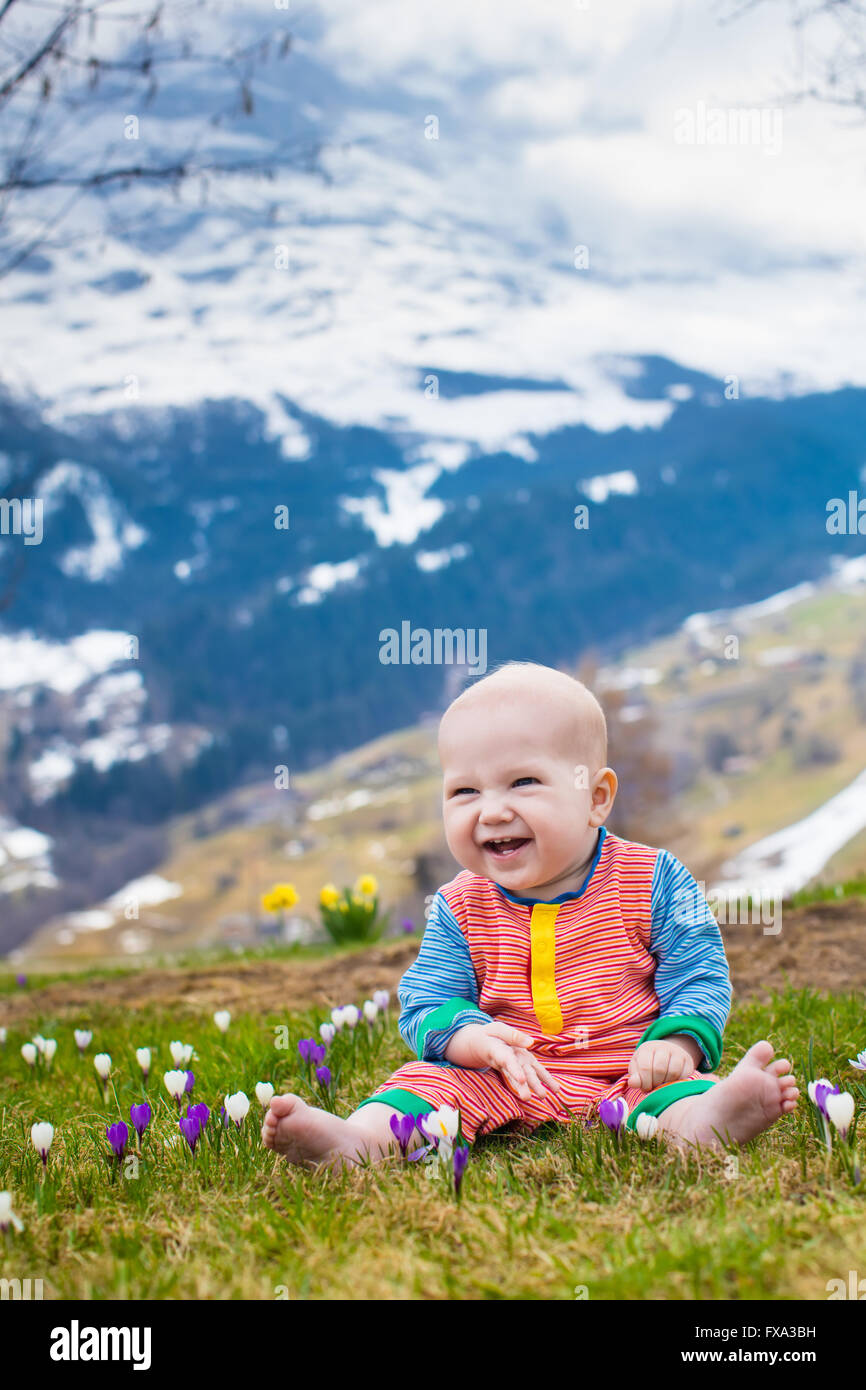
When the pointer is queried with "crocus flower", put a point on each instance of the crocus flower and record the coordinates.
(338, 1019)
(327, 1032)
(42, 1135)
(190, 1081)
(819, 1090)
(21, 980)
(371, 1012)
(222, 1018)
(408, 925)
(102, 1062)
(49, 1050)
(839, 1108)
(175, 1084)
(646, 1126)
(199, 1112)
(7, 1215)
(143, 1058)
(381, 998)
(352, 1015)
(613, 1113)
(441, 1126)
(403, 1127)
(29, 1053)
(141, 1117)
(859, 1062)
(39, 1042)
(118, 1137)
(264, 1093)
(83, 1039)
(461, 1158)
(2, 1037)
(181, 1053)
(190, 1128)
(323, 1076)
(319, 1053)
(237, 1107)
(305, 1047)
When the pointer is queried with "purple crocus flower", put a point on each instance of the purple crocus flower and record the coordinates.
(318, 1053)
(190, 1082)
(822, 1091)
(190, 1128)
(612, 1113)
(199, 1112)
(307, 1047)
(323, 1076)
(21, 980)
(224, 1114)
(419, 1125)
(408, 925)
(461, 1158)
(141, 1116)
(403, 1127)
(118, 1136)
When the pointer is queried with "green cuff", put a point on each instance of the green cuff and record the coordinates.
(663, 1096)
(442, 1018)
(404, 1101)
(708, 1037)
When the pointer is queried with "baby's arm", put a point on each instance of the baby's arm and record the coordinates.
(692, 982)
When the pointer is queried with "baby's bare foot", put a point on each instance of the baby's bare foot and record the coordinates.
(307, 1136)
(756, 1094)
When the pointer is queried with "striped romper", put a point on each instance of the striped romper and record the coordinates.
(634, 955)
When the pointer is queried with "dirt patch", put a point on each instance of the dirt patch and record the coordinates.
(821, 947)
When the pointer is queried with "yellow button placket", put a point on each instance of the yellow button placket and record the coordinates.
(542, 943)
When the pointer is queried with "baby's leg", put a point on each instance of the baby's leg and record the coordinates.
(308, 1136)
(756, 1094)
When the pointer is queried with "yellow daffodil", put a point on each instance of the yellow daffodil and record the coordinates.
(286, 893)
(269, 902)
(367, 885)
(329, 897)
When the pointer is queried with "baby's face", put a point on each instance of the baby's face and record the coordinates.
(518, 804)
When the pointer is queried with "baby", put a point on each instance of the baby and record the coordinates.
(564, 966)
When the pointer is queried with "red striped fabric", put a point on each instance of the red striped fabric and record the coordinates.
(604, 984)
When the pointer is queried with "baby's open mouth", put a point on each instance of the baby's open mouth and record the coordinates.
(506, 847)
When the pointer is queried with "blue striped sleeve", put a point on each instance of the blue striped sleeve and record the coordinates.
(438, 993)
(692, 979)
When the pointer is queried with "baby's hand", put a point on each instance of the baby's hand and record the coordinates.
(654, 1063)
(497, 1045)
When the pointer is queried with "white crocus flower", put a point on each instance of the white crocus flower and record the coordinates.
(222, 1018)
(841, 1111)
(381, 998)
(442, 1125)
(327, 1032)
(49, 1050)
(7, 1215)
(83, 1038)
(3, 1044)
(237, 1106)
(352, 1015)
(813, 1085)
(338, 1019)
(646, 1126)
(102, 1062)
(175, 1083)
(29, 1053)
(142, 1057)
(42, 1135)
(264, 1093)
(39, 1042)
(181, 1053)
(371, 1012)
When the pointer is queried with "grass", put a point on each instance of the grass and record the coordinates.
(541, 1216)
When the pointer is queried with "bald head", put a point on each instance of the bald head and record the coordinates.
(556, 705)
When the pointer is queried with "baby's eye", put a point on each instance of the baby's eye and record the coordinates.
(463, 791)
(524, 781)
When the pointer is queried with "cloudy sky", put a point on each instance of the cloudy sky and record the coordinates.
(559, 126)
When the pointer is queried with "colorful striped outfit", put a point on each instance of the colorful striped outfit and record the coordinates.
(634, 955)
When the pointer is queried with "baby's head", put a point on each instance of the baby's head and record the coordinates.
(523, 755)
